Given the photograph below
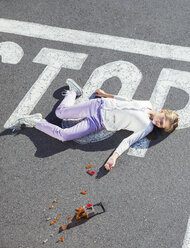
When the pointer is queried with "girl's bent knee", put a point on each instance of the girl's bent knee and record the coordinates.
(59, 112)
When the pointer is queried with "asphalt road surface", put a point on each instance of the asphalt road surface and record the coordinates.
(140, 49)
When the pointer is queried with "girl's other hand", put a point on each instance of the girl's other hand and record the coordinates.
(110, 163)
(99, 93)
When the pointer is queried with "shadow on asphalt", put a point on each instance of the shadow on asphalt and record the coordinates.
(102, 171)
(78, 220)
(47, 146)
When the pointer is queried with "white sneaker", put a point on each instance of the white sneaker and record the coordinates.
(74, 86)
(29, 120)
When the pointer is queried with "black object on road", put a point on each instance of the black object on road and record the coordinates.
(84, 214)
(94, 210)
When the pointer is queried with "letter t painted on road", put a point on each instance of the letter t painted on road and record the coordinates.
(55, 60)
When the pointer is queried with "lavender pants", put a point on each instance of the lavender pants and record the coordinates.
(89, 110)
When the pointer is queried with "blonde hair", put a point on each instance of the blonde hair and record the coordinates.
(174, 118)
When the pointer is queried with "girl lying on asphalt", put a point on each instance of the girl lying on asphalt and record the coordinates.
(110, 112)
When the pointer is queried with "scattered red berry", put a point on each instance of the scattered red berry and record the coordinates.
(88, 205)
(91, 172)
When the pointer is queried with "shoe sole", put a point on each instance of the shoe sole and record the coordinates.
(76, 85)
(17, 124)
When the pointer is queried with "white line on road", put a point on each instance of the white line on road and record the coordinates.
(55, 60)
(186, 241)
(11, 52)
(95, 40)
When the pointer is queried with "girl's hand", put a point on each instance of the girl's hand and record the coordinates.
(110, 163)
(99, 93)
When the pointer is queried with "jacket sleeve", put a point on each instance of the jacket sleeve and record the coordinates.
(133, 138)
(121, 98)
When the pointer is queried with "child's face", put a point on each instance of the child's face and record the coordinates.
(160, 120)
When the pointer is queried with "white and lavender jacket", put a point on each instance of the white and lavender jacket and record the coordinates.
(121, 113)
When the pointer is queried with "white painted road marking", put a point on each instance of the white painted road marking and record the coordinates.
(186, 241)
(55, 60)
(95, 40)
(172, 78)
(130, 77)
(11, 52)
(59, 58)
